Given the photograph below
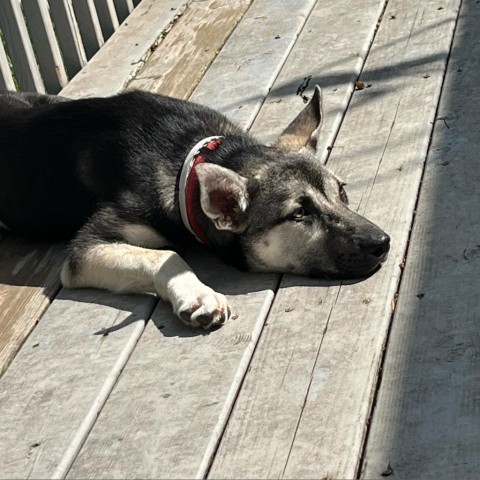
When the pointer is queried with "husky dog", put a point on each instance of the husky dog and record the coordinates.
(132, 176)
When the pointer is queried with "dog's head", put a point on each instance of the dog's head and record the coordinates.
(289, 212)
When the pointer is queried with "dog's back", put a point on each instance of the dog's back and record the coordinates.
(12, 101)
(32, 168)
(60, 159)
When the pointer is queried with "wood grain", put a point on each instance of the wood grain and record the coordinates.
(182, 58)
(316, 429)
(330, 52)
(28, 282)
(239, 80)
(426, 422)
(61, 371)
(123, 54)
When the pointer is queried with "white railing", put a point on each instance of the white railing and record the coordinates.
(44, 43)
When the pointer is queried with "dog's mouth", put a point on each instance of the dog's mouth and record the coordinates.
(382, 257)
(350, 275)
(347, 269)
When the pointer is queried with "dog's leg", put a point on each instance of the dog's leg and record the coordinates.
(112, 253)
(121, 267)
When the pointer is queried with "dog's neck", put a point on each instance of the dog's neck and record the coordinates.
(188, 191)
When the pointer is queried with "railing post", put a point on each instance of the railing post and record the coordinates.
(20, 48)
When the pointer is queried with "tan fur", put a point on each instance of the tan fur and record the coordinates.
(143, 236)
(291, 142)
(283, 247)
(165, 190)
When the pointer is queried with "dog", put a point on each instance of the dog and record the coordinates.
(131, 177)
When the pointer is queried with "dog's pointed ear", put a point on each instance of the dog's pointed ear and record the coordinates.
(223, 196)
(304, 129)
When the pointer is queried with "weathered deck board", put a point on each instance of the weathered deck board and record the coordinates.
(380, 152)
(28, 282)
(124, 53)
(247, 449)
(334, 64)
(426, 422)
(252, 59)
(61, 371)
(388, 158)
(175, 391)
(23, 302)
(204, 29)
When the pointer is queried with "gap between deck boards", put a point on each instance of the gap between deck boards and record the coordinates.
(426, 418)
(362, 460)
(359, 318)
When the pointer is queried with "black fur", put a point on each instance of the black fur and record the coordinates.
(67, 160)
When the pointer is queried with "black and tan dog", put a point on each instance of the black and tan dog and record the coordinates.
(131, 176)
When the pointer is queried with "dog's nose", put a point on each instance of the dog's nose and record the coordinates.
(378, 246)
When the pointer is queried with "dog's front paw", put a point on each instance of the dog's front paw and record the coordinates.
(206, 309)
(193, 302)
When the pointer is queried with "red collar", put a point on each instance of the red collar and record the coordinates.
(189, 186)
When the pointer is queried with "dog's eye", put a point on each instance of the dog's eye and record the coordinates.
(299, 214)
(342, 193)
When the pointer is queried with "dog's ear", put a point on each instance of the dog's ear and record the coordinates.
(304, 129)
(223, 196)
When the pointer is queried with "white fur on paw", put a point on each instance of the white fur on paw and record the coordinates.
(207, 310)
(196, 304)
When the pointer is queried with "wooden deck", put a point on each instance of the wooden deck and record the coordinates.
(312, 379)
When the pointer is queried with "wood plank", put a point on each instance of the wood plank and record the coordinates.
(426, 423)
(28, 282)
(335, 64)
(62, 377)
(299, 315)
(118, 61)
(66, 29)
(304, 414)
(89, 26)
(6, 78)
(20, 48)
(178, 385)
(274, 390)
(191, 423)
(47, 49)
(196, 41)
(107, 16)
(248, 66)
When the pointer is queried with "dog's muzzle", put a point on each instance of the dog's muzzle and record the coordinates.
(361, 258)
